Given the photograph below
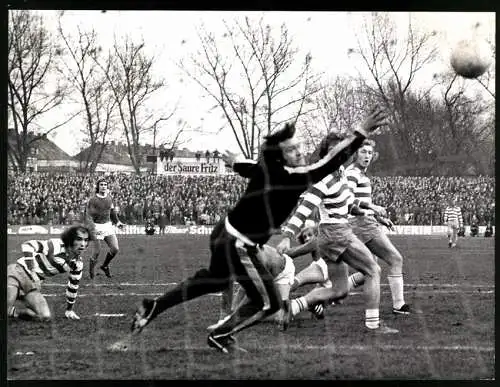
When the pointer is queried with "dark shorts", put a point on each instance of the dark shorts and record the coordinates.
(19, 278)
(333, 240)
(365, 228)
(233, 260)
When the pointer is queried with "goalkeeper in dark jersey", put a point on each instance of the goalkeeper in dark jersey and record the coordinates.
(275, 183)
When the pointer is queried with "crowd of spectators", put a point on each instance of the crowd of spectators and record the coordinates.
(44, 198)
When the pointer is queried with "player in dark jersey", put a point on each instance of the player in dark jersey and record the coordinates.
(275, 183)
(102, 217)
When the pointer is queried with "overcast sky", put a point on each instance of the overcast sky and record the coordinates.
(327, 35)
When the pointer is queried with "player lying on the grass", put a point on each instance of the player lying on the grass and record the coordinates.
(366, 226)
(275, 183)
(337, 243)
(42, 259)
(101, 216)
(315, 273)
(281, 268)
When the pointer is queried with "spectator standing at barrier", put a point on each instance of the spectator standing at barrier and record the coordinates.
(474, 227)
(488, 232)
(162, 222)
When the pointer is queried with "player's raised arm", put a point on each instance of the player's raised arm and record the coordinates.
(340, 153)
(245, 168)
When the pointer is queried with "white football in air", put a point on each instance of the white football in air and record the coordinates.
(471, 58)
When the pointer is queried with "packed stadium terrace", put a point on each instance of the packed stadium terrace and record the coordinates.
(44, 198)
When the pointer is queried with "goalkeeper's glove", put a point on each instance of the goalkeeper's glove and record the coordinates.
(71, 315)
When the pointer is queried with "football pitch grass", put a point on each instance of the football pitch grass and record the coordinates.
(452, 339)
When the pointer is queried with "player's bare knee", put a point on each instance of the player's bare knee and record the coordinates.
(396, 260)
(114, 250)
(44, 316)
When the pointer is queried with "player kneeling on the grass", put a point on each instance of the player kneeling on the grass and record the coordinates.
(281, 268)
(42, 259)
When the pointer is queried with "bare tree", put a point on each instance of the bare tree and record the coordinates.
(259, 84)
(467, 123)
(393, 60)
(451, 131)
(90, 84)
(340, 104)
(32, 88)
(130, 78)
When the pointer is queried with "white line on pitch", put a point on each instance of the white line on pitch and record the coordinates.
(110, 314)
(176, 283)
(114, 294)
(338, 349)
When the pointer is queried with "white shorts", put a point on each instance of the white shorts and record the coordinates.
(103, 230)
(323, 267)
(287, 275)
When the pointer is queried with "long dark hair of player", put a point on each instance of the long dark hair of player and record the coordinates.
(97, 184)
(68, 236)
(270, 151)
(330, 140)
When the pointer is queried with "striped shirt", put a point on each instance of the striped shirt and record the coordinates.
(47, 258)
(361, 187)
(331, 196)
(453, 215)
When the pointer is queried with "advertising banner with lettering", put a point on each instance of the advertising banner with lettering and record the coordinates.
(206, 230)
(191, 166)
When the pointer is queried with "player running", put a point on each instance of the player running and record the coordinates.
(275, 183)
(336, 243)
(42, 259)
(366, 226)
(101, 217)
(453, 219)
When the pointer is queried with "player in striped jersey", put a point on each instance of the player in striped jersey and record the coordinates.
(453, 219)
(337, 244)
(42, 259)
(366, 226)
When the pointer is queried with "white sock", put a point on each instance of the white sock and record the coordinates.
(372, 320)
(355, 280)
(397, 290)
(298, 305)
